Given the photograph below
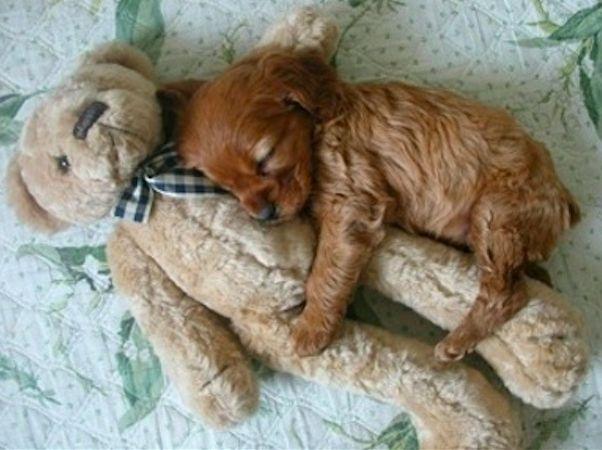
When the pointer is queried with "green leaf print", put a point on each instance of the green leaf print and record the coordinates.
(10, 128)
(71, 262)
(95, 6)
(363, 7)
(585, 83)
(546, 25)
(591, 86)
(47, 253)
(337, 428)
(545, 15)
(76, 256)
(558, 427)
(390, 4)
(356, 3)
(594, 54)
(585, 25)
(401, 435)
(10, 104)
(140, 371)
(125, 327)
(87, 383)
(229, 43)
(581, 25)
(26, 381)
(140, 23)
(537, 42)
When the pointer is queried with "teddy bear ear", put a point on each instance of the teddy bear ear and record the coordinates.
(122, 54)
(304, 29)
(26, 207)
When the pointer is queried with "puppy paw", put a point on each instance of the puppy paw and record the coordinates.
(447, 352)
(310, 338)
(456, 345)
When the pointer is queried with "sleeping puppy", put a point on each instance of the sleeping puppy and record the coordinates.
(282, 132)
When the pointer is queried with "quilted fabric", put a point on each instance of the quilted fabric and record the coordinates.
(75, 370)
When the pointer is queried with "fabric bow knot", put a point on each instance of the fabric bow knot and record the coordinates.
(161, 172)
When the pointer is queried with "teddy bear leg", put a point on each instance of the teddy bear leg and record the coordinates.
(201, 356)
(540, 354)
(451, 407)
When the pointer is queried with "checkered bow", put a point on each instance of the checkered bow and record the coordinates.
(161, 172)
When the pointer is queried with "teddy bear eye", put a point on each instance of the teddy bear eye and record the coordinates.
(62, 162)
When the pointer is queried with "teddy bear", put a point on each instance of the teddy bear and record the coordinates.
(211, 288)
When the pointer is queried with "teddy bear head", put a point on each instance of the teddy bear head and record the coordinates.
(81, 146)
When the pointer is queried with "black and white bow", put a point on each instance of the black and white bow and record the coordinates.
(161, 172)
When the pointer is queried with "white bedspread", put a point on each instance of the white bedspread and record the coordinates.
(75, 373)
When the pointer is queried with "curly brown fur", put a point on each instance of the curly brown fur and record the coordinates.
(277, 126)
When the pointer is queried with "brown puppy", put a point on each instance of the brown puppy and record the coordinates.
(279, 130)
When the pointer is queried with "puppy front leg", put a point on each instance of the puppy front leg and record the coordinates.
(346, 241)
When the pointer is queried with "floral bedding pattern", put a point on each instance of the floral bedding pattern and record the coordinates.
(75, 370)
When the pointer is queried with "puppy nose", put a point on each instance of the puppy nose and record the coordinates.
(268, 212)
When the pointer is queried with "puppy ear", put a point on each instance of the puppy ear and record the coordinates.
(305, 80)
(176, 95)
(26, 207)
(173, 98)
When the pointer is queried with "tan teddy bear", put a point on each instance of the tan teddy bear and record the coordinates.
(209, 286)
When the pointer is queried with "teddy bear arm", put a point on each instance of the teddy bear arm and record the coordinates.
(443, 403)
(202, 357)
(540, 354)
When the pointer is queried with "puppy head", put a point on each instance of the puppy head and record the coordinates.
(251, 129)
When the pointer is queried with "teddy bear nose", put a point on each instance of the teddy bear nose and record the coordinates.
(268, 212)
(87, 118)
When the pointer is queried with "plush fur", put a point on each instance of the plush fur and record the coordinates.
(209, 286)
(278, 126)
(86, 188)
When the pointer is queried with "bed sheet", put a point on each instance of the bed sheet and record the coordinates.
(74, 372)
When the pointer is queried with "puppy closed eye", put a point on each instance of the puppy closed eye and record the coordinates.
(262, 164)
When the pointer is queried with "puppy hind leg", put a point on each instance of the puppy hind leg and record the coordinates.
(501, 256)
(493, 307)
